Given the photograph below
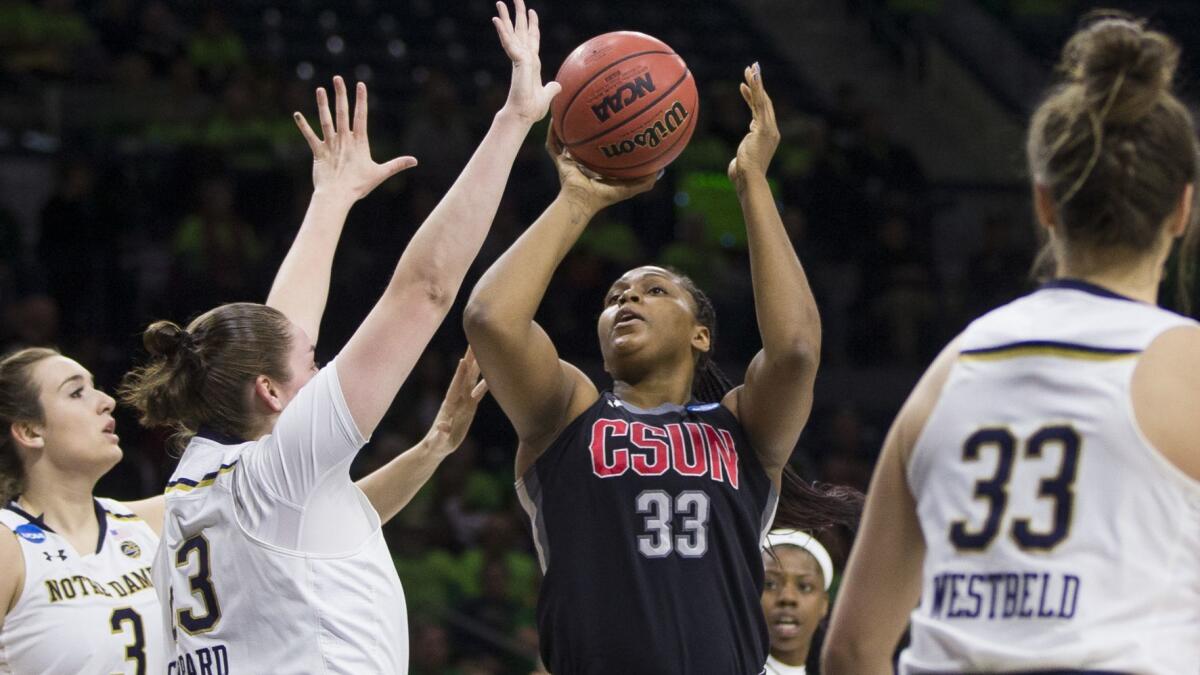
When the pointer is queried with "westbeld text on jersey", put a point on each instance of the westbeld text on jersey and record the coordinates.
(1004, 595)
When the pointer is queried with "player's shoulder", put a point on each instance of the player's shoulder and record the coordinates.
(1165, 389)
(13, 560)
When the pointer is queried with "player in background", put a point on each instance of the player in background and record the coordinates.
(649, 502)
(272, 560)
(795, 598)
(1038, 497)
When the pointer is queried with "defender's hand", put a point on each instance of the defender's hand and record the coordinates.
(342, 163)
(458, 408)
(528, 99)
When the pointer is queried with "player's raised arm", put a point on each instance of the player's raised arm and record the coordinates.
(536, 390)
(343, 173)
(774, 403)
(393, 485)
(432, 268)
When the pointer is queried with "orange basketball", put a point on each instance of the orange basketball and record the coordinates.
(628, 104)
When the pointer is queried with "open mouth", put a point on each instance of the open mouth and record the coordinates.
(626, 316)
(786, 626)
(110, 430)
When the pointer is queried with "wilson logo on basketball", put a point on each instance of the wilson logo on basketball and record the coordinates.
(654, 134)
(624, 95)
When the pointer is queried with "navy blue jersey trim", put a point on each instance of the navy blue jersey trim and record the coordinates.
(1087, 287)
(206, 479)
(1030, 672)
(1051, 345)
(102, 518)
(36, 520)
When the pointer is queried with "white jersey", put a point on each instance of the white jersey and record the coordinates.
(273, 561)
(1056, 535)
(90, 613)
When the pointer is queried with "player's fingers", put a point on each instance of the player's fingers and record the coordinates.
(341, 104)
(553, 144)
(504, 31)
(520, 19)
(535, 32)
(502, 10)
(360, 109)
(480, 389)
(748, 97)
(306, 131)
(323, 114)
(395, 166)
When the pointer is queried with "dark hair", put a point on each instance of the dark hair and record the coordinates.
(814, 507)
(200, 375)
(19, 402)
(1111, 141)
(710, 383)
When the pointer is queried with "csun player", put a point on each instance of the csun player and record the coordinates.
(1038, 497)
(270, 555)
(649, 502)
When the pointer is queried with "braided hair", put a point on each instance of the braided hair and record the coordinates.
(802, 505)
(710, 383)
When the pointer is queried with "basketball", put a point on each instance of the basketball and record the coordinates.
(628, 104)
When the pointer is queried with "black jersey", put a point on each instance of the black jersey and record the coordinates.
(648, 525)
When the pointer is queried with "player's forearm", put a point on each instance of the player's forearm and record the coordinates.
(788, 320)
(844, 656)
(443, 248)
(301, 286)
(511, 290)
(391, 487)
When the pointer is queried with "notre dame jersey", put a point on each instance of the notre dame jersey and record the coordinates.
(1057, 536)
(90, 613)
(648, 525)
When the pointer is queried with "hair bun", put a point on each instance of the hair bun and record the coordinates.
(1124, 67)
(166, 339)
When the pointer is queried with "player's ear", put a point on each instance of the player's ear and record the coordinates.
(701, 339)
(267, 393)
(1044, 206)
(28, 435)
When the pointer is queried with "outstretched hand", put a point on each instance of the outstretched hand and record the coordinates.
(458, 408)
(756, 149)
(528, 99)
(586, 189)
(342, 161)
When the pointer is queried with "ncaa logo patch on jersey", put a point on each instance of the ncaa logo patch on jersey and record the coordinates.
(31, 533)
(131, 549)
(702, 407)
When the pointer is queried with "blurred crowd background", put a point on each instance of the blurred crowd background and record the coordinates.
(149, 169)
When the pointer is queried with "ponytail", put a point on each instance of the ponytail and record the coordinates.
(813, 507)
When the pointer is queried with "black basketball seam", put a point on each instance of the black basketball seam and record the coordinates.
(584, 86)
(634, 116)
(678, 138)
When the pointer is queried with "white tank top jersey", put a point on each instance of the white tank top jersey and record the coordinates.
(90, 613)
(273, 561)
(1057, 537)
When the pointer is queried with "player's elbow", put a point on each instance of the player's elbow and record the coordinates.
(481, 322)
(800, 353)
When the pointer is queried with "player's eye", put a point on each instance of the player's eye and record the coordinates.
(78, 393)
(612, 297)
(770, 584)
(659, 290)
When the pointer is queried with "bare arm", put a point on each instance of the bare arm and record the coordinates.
(883, 577)
(1166, 395)
(152, 510)
(12, 579)
(393, 485)
(537, 391)
(774, 403)
(343, 173)
(432, 268)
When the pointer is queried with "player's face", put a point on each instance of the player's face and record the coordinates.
(301, 363)
(646, 310)
(794, 600)
(78, 431)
